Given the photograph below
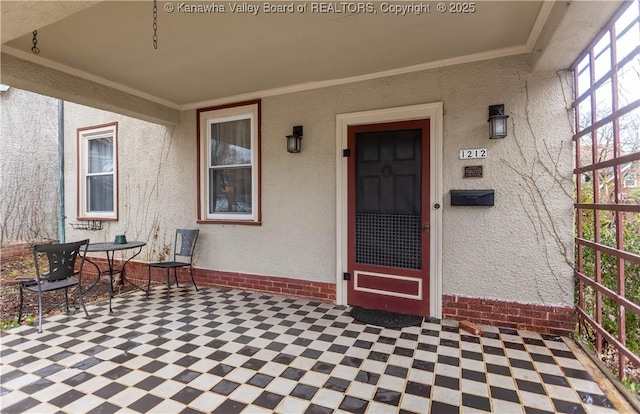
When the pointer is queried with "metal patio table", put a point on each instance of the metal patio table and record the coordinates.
(110, 249)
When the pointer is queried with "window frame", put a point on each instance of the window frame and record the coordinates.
(84, 135)
(207, 116)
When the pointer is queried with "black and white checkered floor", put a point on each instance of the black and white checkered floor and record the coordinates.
(231, 351)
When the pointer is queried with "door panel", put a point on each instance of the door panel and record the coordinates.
(388, 216)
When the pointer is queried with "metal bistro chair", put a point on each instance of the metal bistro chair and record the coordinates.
(185, 243)
(62, 274)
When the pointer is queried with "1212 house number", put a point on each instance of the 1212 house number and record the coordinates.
(469, 154)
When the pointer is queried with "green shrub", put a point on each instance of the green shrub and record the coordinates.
(609, 266)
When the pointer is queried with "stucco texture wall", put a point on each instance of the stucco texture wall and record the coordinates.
(28, 167)
(518, 250)
(156, 180)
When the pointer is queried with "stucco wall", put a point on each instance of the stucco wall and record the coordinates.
(156, 179)
(28, 167)
(519, 250)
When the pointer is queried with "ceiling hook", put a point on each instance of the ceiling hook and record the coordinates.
(35, 49)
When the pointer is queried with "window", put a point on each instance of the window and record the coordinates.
(98, 172)
(229, 163)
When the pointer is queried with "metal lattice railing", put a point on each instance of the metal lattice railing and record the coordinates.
(607, 150)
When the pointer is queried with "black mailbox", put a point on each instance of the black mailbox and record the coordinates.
(472, 197)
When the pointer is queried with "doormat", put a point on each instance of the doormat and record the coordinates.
(384, 318)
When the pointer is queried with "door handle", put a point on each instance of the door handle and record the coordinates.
(426, 226)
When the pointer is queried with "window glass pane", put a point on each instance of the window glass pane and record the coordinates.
(629, 82)
(231, 142)
(604, 101)
(629, 127)
(100, 155)
(230, 190)
(100, 193)
(584, 75)
(584, 112)
(230, 163)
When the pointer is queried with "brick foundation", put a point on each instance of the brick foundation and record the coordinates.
(16, 250)
(553, 320)
(137, 271)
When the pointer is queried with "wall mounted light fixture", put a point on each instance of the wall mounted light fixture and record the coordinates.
(497, 122)
(294, 141)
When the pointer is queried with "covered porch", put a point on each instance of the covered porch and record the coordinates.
(232, 351)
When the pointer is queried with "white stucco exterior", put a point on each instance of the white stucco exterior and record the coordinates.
(519, 250)
(28, 167)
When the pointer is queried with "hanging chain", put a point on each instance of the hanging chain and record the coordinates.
(35, 49)
(155, 24)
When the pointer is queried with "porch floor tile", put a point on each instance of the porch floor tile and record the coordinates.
(231, 351)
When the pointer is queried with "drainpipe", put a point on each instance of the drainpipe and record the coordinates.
(61, 216)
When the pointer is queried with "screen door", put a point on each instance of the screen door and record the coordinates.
(389, 216)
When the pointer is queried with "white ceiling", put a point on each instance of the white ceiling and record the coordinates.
(209, 57)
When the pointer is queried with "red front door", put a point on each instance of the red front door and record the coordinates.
(388, 216)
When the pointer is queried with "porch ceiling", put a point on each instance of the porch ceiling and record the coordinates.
(207, 58)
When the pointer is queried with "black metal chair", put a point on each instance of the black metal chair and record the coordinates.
(185, 243)
(62, 274)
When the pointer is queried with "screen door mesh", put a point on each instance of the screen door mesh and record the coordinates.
(388, 239)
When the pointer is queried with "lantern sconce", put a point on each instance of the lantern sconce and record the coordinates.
(497, 122)
(294, 141)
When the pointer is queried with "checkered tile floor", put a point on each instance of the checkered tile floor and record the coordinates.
(231, 351)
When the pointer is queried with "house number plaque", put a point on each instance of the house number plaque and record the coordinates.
(474, 171)
(469, 154)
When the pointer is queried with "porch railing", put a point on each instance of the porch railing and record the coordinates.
(607, 182)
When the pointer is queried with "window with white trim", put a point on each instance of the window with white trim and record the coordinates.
(98, 172)
(229, 163)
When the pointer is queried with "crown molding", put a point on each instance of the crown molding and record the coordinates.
(542, 17)
(301, 87)
(30, 57)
